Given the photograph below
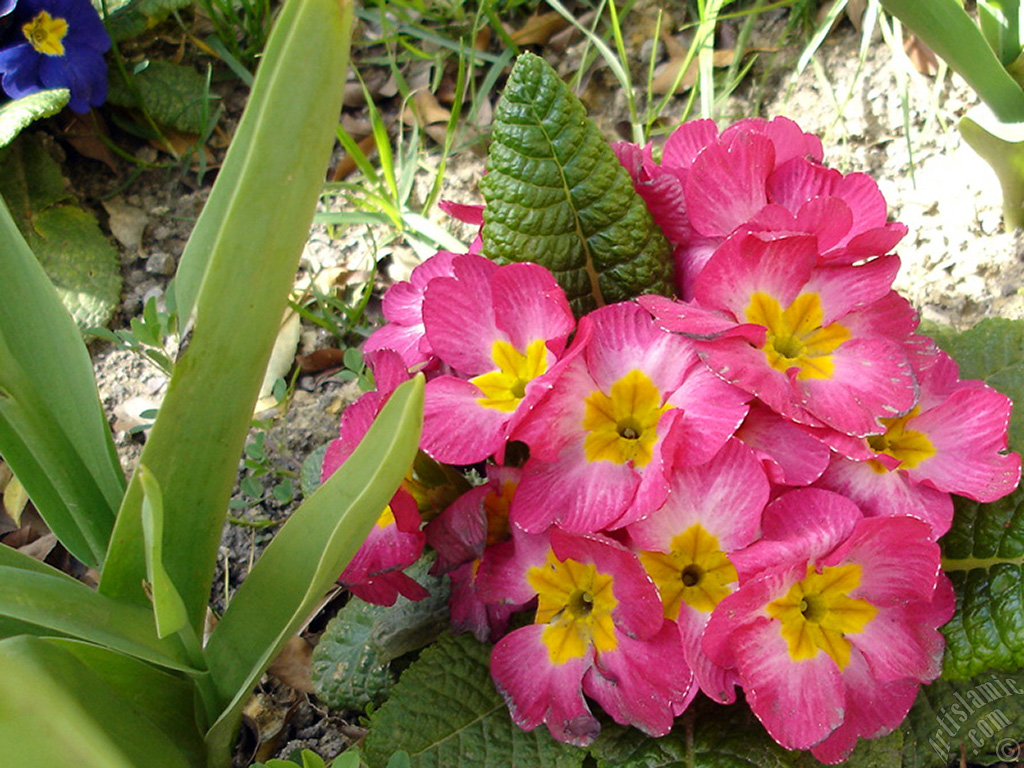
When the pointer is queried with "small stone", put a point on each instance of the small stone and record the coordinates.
(160, 263)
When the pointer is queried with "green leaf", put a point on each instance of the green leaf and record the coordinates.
(446, 713)
(983, 554)
(712, 736)
(243, 253)
(66, 703)
(309, 474)
(983, 716)
(993, 351)
(71, 608)
(557, 195)
(53, 431)
(168, 607)
(18, 114)
(947, 29)
(79, 260)
(347, 672)
(130, 18)
(351, 662)
(174, 95)
(309, 553)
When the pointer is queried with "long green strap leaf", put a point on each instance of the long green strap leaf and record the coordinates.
(308, 554)
(66, 703)
(71, 608)
(168, 607)
(950, 32)
(274, 173)
(53, 431)
(557, 195)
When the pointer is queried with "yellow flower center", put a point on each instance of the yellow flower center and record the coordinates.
(696, 572)
(908, 445)
(623, 427)
(505, 387)
(46, 34)
(575, 600)
(817, 613)
(387, 517)
(796, 338)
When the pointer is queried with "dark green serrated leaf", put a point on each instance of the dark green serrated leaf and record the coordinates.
(351, 663)
(346, 672)
(983, 716)
(174, 95)
(983, 554)
(556, 195)
(79, 260)
(18, 114)
(446, 713)
(992, 351)
(712, 736)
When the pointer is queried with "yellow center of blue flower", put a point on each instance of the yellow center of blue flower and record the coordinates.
(46, 34)
(575, 600)
(795, 337)
(908, 445)
(696, 572)
(504, 388)
(817, 613)
(622, 426)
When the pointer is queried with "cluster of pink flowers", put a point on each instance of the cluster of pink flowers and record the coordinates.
(740, 487)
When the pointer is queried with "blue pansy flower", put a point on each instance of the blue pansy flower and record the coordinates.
(6, 6)
(56, 44)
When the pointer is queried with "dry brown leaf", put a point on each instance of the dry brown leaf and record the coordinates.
(268, 717)
(321, 360)
(855, 10)
(178, 144)
(15, 499)
(538, 29)
(921, 56)
(347, 165)
(86, 133)
(127, 222)
(425, 109)
(40, 548)
(666, 73)
(291, 666)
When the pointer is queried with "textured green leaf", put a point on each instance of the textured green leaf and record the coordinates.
(130, 18)
(172, 94)
(16, 115)
(446, 713)
(983, 716)
(79, 260)
(347, 672)
(351, 663)
(983, 554)
(557, 195)
(713, 736)
(993, 351)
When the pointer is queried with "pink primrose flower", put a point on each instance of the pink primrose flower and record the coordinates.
(712, 510)
(498, 329)
(835, 622)
(953, 441)
(396, 541)
(799, 336)
(598, 630)
(757, 175)
(599, 439)
(403, 309)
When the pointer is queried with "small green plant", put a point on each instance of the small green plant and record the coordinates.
(240, 31)
(153, 334)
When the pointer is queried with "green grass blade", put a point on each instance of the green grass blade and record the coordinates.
(267, 199)
(53, 432)
(167, 604)
(309, 553)
(947, 29)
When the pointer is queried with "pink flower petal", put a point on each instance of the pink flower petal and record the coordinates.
(457, 429)
(726, 184)
(538, 691)
(791, 455)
